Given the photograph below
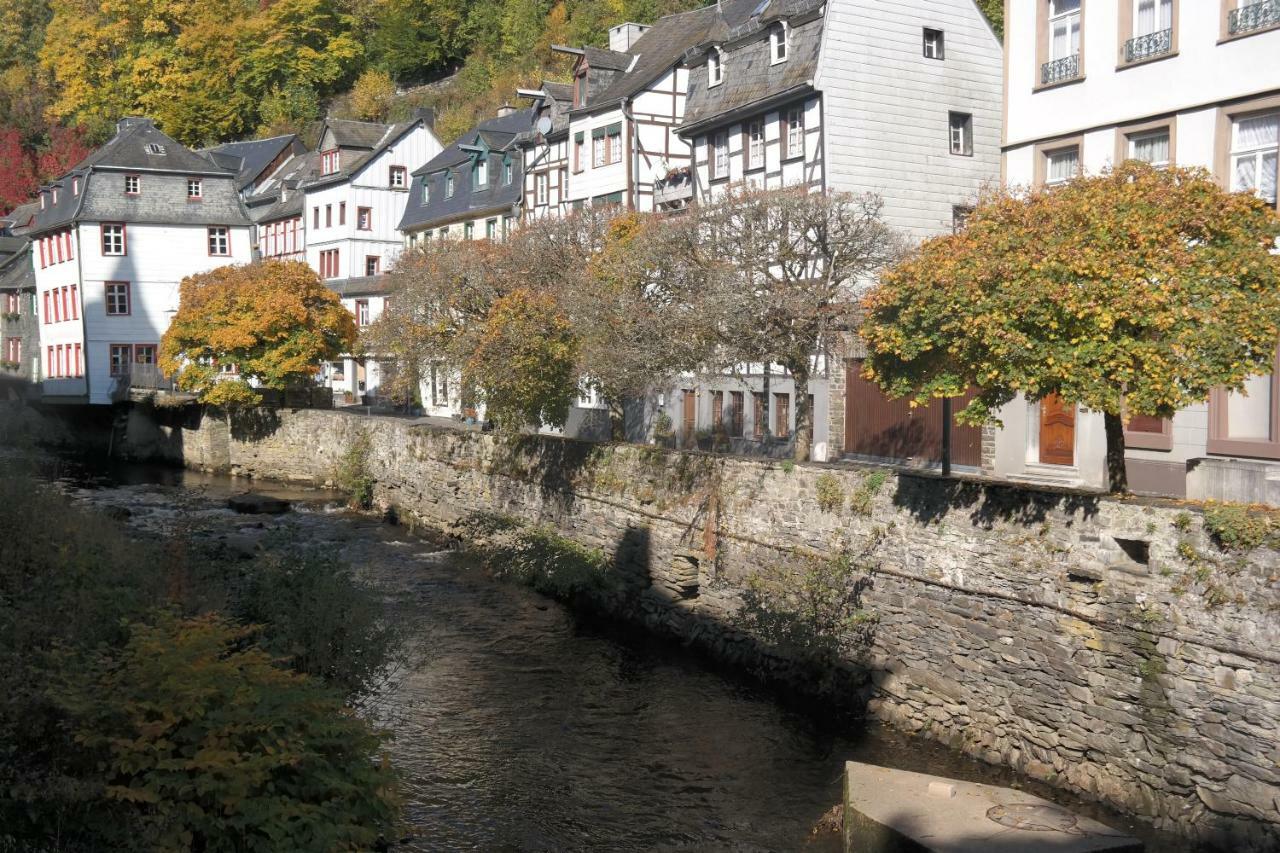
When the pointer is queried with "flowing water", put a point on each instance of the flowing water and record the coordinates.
(520, 727)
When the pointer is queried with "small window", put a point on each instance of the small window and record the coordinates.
(329, 161)
(55, 195)
(490, 229)
(1062, 165)
(372, 264)
(153, 148)
(961, 134)
(219, 240)
(342, 213)
(579, 144)
(1255, 152)
(480, 173)
(933, 44)
(715, 67)
(195, 189)
(794, 129)
(507, 171)
(469, 231)
(362, 312)
(426, 191)
(75, 186)
(132, 184)
(778, 43)
(448, 185)
(144, 353)
(364, 218)
(121, 355)
(1152, 147)
(540, 188)
(113, 242)
(398, 177)
(117, 298)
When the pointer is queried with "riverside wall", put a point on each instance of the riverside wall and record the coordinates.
(1104, 646)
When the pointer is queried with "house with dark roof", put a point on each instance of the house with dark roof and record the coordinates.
(544, 149)
(111, 240)
(472, 189)
(19, 330)
(352, 206)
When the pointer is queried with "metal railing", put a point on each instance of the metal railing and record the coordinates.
(1057, 70)
(149, 377)
(1255, 16)
(1149, 45)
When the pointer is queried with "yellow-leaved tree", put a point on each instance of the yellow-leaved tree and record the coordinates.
(267, 324)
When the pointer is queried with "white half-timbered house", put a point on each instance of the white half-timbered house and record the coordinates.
(544, 149)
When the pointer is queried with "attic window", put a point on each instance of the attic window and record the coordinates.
(448, 185)
(155, 148)
(778, 43)
(329, 162)
(426, 190)
(715, 67)
(580, 88)
(480, 173)
(75, 186)
(398, 177)
(933, 44)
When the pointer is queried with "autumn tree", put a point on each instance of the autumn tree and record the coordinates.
(524, 365)
(790, 261)
(372, 95)
(1133, 292)
(272, 323)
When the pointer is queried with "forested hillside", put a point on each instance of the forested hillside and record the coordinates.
(214, 70)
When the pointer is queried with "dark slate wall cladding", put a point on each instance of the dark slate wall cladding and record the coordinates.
(1104, 646)
(162, 199)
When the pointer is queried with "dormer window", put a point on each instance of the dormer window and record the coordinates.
(132, 184)
(506, 171)
(480, 173)
(778, 43)
(580, 88)
(398, 177)
(55, 195)
(329, 161)
(42, 201)
(426, 190)
(448, 185)
(715, 67)
(75, 186)
(195, 189)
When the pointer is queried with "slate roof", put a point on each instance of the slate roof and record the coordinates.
(250, 157)
(611, 60)
(364, 285)
(499, 134)
(20, 217)
(750, 81)
(267, 204)
(16, 270)
(389, 136)
(127, 150)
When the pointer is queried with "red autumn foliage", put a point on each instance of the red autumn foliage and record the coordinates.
(23, 169)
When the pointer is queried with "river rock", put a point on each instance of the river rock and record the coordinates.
(252, 503)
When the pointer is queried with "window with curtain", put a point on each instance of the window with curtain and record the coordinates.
(1255, 145)
(755, 145)
(1062, 165)
(720, 155)
(1064, 28)
(1150, 147)
(1152, 16)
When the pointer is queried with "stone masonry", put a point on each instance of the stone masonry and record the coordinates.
(1104, 646)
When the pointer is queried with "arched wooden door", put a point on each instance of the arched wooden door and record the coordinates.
(1057, 431)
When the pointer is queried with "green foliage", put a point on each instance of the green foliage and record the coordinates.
(828, 493)
(812, 610)
(860, 501)
(788, 465)
(537, 557)
(287, 109)
(994, 10)
(1182, 522)
(352, 474)
(205, 744)
(372, 95)
(1235, 527)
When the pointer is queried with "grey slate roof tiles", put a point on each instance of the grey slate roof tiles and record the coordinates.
(250, 157)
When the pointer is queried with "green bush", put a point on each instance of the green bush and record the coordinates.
(1235, 527)
(863, 496)
(829, 495)
(351, 475)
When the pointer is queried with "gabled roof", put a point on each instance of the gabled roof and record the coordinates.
(279, 195)
(355, 134)
(135, 147)
(497, 133)
(612, 60)
(391, 134)
(250, 157)
(558, 91)
(21, 216)
(16, 270)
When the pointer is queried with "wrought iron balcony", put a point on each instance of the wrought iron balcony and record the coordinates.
(1255, 16)
(1057, 70)
(1145, 47)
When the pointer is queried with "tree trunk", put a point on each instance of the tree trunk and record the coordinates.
(804, 414)
(1117, 477)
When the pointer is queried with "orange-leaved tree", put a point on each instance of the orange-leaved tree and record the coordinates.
(1132, 292)
(268, 324)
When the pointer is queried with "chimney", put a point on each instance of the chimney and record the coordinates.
(623, 36)
(505, 110)
(130, 122)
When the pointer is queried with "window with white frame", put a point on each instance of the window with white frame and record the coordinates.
(113, 240)
(720, 154)
(540, 187)
(755, 144)
(117, 298)
(506, 171)
(480, 173)
(1064, 28)
(448, 185)
(118, 364)
(362, 312)
(219, 241)
(715, 67)
(195, 188)
(1062, 165)
(961, 125)
(132, 184)
(933, 44)
(329, 161)
(795, 131)
(778, 43)
(1150, 147)
(490, 229)
(398, 177)
(597, 148)
(1255, 144)
(426, 189)
(1152, 16)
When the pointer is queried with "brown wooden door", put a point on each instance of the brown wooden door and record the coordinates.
(690, 415)
(1057, 431)
(881, 428)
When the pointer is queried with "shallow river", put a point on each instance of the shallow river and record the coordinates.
(521, 728)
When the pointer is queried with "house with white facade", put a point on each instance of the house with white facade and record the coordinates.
(352, 210)
(544, 149)
(268, 173)
(901, 100)
(111, 241)
(1089, 85)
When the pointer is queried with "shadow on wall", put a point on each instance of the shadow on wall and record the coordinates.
(929, 499)
(250, 424)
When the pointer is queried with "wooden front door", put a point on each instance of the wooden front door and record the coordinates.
(1057, 431)
(690, 415)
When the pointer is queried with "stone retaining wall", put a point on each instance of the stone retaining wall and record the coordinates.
(1103, 646)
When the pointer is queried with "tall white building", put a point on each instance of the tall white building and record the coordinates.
(112, 239)
(1185, 82)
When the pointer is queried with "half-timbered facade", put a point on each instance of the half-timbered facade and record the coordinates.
(544, 149)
